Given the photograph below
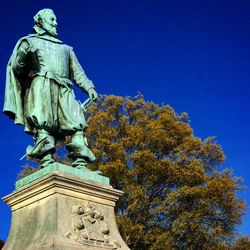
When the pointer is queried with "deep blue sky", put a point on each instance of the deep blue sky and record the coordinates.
(192, 55)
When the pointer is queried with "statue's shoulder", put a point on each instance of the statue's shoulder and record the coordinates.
(30, 36)
(68, 47)
(24, 38)
(36, 37)
(33, 39)
(19, 42)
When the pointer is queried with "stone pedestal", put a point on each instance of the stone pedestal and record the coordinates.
(59, 209)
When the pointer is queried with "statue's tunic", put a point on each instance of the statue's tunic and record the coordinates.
(48, 101)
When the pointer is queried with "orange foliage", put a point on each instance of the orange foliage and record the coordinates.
(175, 196)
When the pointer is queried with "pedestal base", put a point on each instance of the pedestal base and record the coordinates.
(63, 212)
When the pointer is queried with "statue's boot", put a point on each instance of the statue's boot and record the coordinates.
(80, 153)
(44, 143)
(80, 163)
(46, 160)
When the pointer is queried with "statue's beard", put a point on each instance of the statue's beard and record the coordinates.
(51, 30)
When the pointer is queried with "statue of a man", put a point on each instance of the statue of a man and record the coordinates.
(39, 92)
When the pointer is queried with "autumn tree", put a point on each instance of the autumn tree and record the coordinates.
(176, 194)
(242, 243)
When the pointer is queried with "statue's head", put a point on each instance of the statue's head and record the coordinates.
(45, 22)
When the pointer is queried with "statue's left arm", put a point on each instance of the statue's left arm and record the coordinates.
(80, 78)
(13, 100)
(19, 59)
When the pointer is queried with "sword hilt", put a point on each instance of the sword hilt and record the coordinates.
(86, 104)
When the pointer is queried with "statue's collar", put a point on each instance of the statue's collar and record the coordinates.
(46, 37)
(41, 33)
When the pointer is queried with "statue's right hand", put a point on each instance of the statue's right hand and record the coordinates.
(93, 94)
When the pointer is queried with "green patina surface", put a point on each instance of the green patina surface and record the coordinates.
(39, 93)
(83, 175)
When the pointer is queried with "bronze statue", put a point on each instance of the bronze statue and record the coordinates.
(39, 92)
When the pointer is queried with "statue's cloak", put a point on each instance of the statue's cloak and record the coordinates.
(15, 89)
(18, 89)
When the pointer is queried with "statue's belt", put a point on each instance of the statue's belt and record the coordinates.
(58, 79)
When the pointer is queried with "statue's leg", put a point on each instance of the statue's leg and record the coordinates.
(79, 152)
(43, 149)
(72, 122)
